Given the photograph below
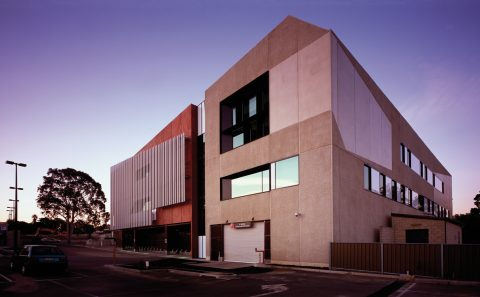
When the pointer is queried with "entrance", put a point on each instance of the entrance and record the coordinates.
(179, 237)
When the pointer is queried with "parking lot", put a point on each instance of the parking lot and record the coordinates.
(88, 276)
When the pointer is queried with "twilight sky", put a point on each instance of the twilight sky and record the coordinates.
(85, 84)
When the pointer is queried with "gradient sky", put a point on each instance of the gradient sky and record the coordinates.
(85, 84)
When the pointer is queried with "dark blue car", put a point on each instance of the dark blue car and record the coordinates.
(36, 257)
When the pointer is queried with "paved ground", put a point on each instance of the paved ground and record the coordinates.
(89, 277)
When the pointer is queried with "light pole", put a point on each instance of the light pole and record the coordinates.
(15, 236)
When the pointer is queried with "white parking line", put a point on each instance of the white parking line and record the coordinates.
(6, 278)
(403, 291)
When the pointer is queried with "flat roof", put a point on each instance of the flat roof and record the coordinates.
(424, 217)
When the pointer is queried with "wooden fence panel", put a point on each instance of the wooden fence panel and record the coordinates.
(356, 256)
(461, 261)
(417, 259)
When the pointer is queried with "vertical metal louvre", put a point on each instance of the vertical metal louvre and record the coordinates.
(151, 179)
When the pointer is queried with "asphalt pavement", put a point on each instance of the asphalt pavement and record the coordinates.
(89, 275)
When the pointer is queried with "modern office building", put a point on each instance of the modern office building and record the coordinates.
(157, 195)
(302, 149)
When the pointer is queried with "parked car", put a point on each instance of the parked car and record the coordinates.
(50, 241)
(36, 257)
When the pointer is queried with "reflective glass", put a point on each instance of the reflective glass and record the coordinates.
(414, 199)
(234, 116)
(238, 140)
(430, 177)
(286, 172)
(415, 164)
(388, 187)
(247, 185)
(408, 196)
(438, 184)
(252, 106)
(375, 187)
(366, 177)
(266, 180)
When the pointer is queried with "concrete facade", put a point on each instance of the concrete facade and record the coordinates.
(326, 109)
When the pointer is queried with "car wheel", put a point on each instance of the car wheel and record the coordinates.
(24, 270)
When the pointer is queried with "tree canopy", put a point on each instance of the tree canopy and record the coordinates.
(72, 195)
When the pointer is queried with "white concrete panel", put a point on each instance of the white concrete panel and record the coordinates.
(386, 143)
(283, 94)
(362, 118)
(375, 132)
(334, 67)
(345, 100)
(314, 85)
(240, 244)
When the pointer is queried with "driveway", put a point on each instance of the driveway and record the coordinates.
(88, 276)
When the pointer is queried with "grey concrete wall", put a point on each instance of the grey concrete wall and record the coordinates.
(296, 54)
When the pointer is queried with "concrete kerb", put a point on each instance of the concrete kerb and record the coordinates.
(402, 277)
(143, 273)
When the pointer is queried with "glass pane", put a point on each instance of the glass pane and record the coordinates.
(287, 172)
(272, 172)
(375, 181)
(247, 185)
(415, 164)
(266, 180)
(430, 177)
(252, 106)
(399, 192)
(438, 184)
(408, 196)
(234, 116)
(238, 140)
(414, 199)
(366, 177)
(388, 187)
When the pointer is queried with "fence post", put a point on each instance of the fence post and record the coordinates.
(381, 256)
(330, 258)
(441, 260)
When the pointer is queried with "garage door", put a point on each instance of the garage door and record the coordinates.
(240, 244)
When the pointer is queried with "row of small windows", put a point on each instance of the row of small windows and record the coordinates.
(409, 159)
(264, 178)
(383, 185)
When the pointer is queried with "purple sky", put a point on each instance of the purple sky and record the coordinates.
(85, 84)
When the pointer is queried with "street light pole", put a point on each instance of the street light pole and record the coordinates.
(15, 235)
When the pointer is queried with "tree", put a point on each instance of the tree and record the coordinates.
(476, 200)
(72, 195)
(34, 219)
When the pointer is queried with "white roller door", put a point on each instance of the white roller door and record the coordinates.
(240, 244)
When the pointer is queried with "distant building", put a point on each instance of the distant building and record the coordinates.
(301, 149)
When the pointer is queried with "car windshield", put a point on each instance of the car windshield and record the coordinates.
(46, 250)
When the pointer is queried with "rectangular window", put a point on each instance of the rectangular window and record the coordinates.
(402, 153)
(252, 106)
(246, 113)
(400, 192)
(286, 172)
(388, 187)
(415, 164)
(245, 183)
(265, 180)
(409, 158)
(438, 183)
(375, 178)
(421, 203)
(415, 200)
(430, 177)
(234, 116)
(238, 140)
(408, 196)
(366, 177)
